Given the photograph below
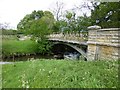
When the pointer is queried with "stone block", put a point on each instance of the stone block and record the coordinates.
(103, 44)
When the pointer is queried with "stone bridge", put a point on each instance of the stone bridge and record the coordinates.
(72, 38)
(101, 44)
(74, 41)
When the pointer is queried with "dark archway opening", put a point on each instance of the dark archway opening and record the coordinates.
(62, 51)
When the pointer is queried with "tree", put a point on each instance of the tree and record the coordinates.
(58, 10)
(24, 23)
(71, 21)
(106, 14)
(83, 22)
(41, 27)
(59, 26)
(38, 24)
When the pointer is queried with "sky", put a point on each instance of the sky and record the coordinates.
(12, 11)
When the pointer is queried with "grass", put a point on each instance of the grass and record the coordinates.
(60, 74)
(10, 47)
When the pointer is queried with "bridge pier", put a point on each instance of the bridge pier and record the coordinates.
(103, 44)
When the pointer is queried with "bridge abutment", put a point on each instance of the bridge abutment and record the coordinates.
(103, 44)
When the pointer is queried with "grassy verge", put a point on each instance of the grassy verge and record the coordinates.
(10, 47)
(60, 74)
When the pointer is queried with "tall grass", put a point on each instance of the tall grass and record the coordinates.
(60, 74)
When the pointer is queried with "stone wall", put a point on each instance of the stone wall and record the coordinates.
(71, 37)
(103, 44)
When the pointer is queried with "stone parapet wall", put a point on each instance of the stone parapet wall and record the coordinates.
(72, 37)
(103, 43)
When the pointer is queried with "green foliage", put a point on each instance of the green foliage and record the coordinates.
(59, 25)
(24, 23)
(106, 15)
(38, 24)
(78, 24)
(49, 14)
(71, 22)
(60, 74)
(82, 23)
(44, 46)
(8, 32)
(39, 28)
(69, 15)
(13, 47)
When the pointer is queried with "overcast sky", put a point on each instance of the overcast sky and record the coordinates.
(12, 11)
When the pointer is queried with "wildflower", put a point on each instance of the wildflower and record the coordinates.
(43, 69)
(83, 78)
(27, 86)
(39, 70)
(50, 71)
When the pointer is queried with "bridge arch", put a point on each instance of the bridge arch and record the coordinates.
(60, 47)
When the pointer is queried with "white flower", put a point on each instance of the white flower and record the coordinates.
(83, 78)
(50, 71)
(39, 70)
(27, 86)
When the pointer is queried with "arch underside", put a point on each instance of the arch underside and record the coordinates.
(79, 50)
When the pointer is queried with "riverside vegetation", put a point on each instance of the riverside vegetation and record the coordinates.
(12, 47)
